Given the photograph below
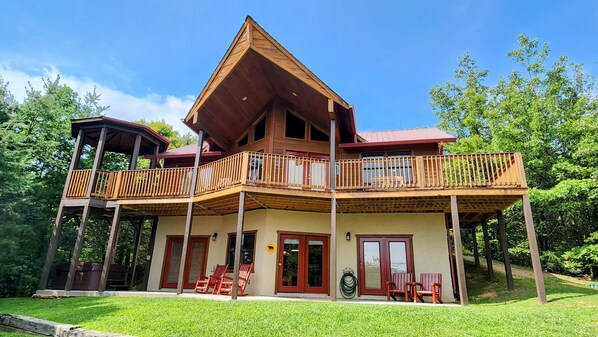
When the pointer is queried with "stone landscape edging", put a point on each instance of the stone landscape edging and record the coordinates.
(49, 328)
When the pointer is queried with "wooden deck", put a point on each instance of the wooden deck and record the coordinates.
(412, 176)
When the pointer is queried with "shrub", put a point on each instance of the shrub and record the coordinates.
(583, 260)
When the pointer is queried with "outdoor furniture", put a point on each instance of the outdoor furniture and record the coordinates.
(226, 287)
(204, 284)
(429, 285)
(402, 283)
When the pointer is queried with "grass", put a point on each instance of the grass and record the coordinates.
(572, 309)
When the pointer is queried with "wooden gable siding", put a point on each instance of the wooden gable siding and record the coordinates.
(236, 50)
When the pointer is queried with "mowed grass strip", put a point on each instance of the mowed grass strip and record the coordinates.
(572, 310)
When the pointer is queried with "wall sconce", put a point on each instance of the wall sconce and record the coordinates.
(348, 236)
(214, 236)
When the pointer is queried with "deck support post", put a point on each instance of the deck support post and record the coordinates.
(150, 253)
(57, 229)
(189, 219)
(505, 249)
(238, 245)
(488, 251)
(136, 250)
(77, 250)
(111, 248)
(474, 243)
(52, 248)
(533, 247)
(333, 202)
(459, 252)
(135, 154)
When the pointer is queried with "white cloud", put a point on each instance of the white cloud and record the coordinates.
(122, 105)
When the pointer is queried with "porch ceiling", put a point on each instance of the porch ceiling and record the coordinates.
(472, 209)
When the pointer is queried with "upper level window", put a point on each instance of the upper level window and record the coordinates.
(260, 130)
(244, 141)
(387, 168)
(316, 134)
(295, 127)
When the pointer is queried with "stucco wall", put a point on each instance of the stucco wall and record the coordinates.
(429, 241)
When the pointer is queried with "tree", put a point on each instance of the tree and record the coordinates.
(176, 138)
(548, 112)
(35, 147)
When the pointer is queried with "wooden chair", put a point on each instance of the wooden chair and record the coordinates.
(226, 287)
(204, 284)
(429, 285)
(401, 283)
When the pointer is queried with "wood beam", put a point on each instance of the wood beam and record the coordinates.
(74, 160)
(111, 248)
(150, 254)
(474, 242)
(488, 251)
(505, 249)
(135, 154)
(459, 252)
(97, 161)
(52, 248)
(189, 219)
(154, 159)
(332, 177)
(534, 253)
(77, 250)
(136, 250)
(238, 245)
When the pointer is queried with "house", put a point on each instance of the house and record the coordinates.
(280, 164)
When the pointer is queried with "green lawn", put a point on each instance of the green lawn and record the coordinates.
(572, 310)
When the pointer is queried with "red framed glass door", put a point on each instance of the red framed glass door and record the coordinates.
(195, 262)
(303, 263)
(379, 257)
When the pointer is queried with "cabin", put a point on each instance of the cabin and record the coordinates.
(282, 179)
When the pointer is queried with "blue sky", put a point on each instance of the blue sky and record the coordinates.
(150, 59)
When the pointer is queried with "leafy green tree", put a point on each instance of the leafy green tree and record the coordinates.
(548, 112)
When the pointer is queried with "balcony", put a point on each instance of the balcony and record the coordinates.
(479, 172)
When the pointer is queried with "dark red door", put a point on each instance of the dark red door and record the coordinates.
(303, 263)
(308, 173)
(379, 257)
(195, 262)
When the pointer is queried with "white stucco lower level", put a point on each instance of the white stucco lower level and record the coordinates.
(430, 248)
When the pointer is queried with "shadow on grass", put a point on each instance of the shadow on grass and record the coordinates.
(484, 291)
(66, 310)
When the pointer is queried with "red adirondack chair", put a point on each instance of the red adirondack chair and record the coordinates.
(204, 284)
(401, 284)
(429, 285)
(226, 287)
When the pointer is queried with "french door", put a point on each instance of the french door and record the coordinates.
(195, 263)
(303, 172)
(302, 263)
(379, 258)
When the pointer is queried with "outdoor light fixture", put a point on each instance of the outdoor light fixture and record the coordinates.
(214, 236)
(348, 236)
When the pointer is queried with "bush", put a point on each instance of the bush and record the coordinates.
(552, 262)
(583, 260)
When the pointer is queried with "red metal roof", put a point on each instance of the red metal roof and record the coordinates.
(400, 137)
(189, 151)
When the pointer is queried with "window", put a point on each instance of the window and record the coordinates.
(247, 249)
(260, 130)
(243, 141)
(295, 127)
(318, 135)
(388, 169)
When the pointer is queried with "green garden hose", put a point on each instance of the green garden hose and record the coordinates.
(348, 284)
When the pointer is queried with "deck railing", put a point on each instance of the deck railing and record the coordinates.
(498, 170)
